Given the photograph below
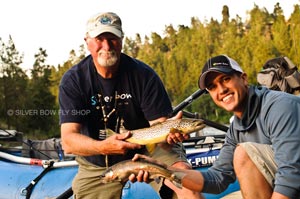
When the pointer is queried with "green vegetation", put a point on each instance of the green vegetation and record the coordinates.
(28, 102)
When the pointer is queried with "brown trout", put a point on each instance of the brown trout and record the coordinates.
(158, 132)
(121, 171)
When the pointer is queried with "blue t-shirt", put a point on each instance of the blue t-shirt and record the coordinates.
(136, 92)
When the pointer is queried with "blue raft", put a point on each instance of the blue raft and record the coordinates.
(22, 174)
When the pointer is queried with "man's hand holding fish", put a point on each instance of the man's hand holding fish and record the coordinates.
(178, 129)
(173, 130)
(190, 179)
(176, 136)
(116, 144)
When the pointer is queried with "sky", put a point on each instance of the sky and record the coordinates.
(58, 26)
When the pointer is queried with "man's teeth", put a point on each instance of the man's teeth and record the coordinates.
(227, 98)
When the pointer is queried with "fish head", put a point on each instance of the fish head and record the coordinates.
(188, 125)
(108, 176)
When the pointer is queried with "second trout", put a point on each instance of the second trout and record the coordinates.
(122, 170)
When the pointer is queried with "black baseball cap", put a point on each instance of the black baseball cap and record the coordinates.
(220, 64)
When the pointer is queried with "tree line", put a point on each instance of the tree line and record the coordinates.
(29, 101)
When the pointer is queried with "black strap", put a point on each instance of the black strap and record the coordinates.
(67, 194)
(29, 188)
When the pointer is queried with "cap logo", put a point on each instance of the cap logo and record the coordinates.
(220, 63)
(105, 21)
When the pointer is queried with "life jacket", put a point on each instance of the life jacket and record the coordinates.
(280, 74)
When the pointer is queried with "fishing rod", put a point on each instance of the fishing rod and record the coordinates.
(188, 101)
(207, 122)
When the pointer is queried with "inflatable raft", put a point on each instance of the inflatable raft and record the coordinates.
(34, 178)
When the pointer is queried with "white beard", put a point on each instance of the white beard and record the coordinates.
(107, 58)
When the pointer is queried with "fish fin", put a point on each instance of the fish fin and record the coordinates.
(110, 132)
(157, 180)
(150, 148)
(175, 130)
(177, 184)
(177, 177)
(146, 141)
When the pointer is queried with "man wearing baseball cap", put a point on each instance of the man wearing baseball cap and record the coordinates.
(219, 64)
(104, 22)
(110, 90)
(262, 144)
(261, 147)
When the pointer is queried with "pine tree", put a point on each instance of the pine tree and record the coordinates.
(13, 82)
